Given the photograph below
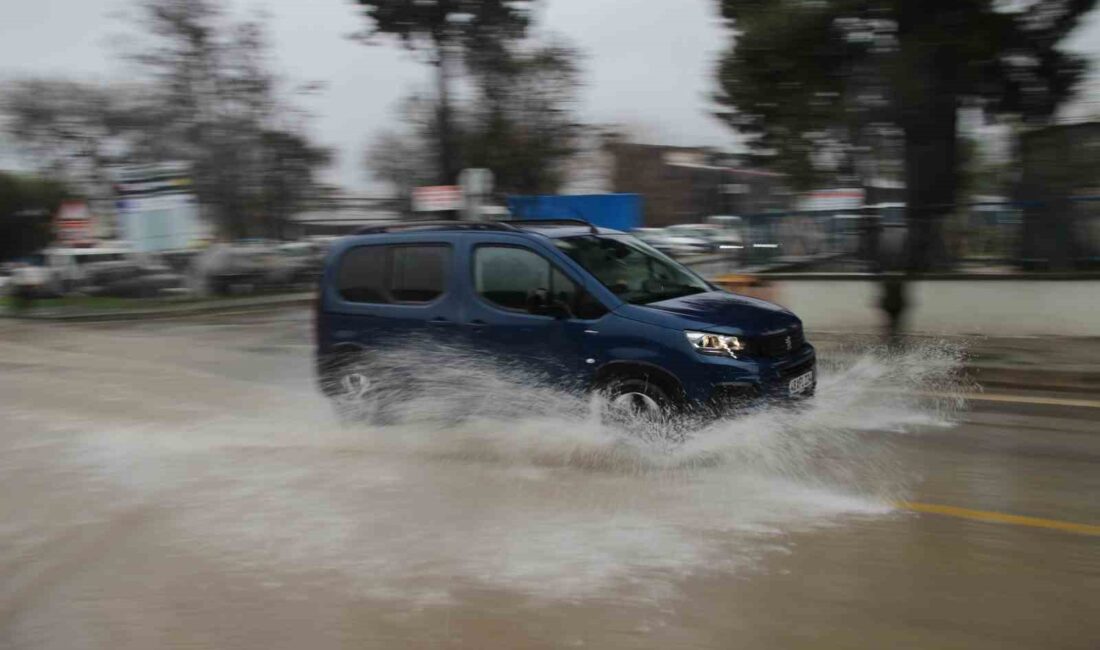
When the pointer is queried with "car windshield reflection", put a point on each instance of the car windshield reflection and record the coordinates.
(631, 269)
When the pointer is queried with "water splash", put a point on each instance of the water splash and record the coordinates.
(486, 477)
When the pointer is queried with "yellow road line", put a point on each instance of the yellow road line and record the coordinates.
(1017, 399)
(999, 517)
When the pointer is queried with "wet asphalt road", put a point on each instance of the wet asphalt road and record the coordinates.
(179, 484)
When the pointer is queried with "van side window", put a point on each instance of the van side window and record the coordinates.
(506, 276)
(418, 273)
(393, 274)
(509, 277)
(361, 276)
(562, 289)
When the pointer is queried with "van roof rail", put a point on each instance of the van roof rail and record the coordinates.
(552, 222)
(433, 225)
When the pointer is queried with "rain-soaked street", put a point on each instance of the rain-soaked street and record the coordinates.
(181, 484)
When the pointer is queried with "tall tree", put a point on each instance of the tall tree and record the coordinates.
(27, 206)
(446, 31)
(205, 93)
(69, 130)
(803, 77)
(287, 177)
(522, 123)
(518, 121)
(405, 158)
(214, 101)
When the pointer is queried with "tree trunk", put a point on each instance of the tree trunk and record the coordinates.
(931, 181)
(928, 99)
(447, 169)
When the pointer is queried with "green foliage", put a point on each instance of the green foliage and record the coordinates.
(783, 82)
(822, 86)
(204, 93)
(449, 32)
(521, 124)
(474, 25)
(68, 128)
(27, 206)
(214, 101)
(802, 77)
(518, 122)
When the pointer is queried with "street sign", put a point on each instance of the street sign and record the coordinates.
(157, 207)
(477, 185)
(73, 224)
(437, 198)
(476, 181)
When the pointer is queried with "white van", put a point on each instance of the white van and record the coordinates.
(71, 268)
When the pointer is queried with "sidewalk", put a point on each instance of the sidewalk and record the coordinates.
(1060, 364)
(163, 309)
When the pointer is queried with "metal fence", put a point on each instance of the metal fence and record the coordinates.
(1062, 233)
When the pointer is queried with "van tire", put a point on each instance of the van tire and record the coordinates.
(637, 398)
(346, 384)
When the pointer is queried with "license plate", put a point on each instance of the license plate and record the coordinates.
(801, 383)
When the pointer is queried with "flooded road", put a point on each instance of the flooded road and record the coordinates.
(181, 484)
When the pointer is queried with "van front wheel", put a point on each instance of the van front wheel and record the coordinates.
(637, 398)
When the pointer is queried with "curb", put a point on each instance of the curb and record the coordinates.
(1078, 379)
(1015, 276)
(1020, 378)
(210, 307)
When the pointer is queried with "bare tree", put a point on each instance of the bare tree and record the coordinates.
(69, 130)
(215, 102)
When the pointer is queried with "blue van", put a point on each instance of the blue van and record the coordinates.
(586, 307)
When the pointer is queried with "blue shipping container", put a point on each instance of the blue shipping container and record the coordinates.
(618, 211)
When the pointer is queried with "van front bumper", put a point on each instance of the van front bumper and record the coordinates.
(740, 382)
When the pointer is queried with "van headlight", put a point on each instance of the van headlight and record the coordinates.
(707, 343)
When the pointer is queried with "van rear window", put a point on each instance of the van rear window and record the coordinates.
(393, 274)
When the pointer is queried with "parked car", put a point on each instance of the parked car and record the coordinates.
(582, 305)
(691, 239)
(304, 259)
(672, 242)
(729, 231)
(648, 235)
(131, 278)
(252, 265)
(715, 238)
(73, 269)
(29, 278)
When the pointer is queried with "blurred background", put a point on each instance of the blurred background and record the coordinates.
(924, 172)
(176, 149)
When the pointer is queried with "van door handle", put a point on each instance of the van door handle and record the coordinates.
(477, 323)
(439, 320)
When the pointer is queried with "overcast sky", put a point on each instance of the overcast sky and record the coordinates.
(648, 63)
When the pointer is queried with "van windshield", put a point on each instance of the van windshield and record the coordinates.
(631, 269)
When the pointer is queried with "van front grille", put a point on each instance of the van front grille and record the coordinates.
(780, 344)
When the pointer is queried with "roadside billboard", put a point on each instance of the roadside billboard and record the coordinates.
(157, 207)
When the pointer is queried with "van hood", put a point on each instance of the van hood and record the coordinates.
(720, 312)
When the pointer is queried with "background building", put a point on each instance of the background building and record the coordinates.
(686, 185)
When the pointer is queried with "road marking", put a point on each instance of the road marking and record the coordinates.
(999, 517)
(1017, 399)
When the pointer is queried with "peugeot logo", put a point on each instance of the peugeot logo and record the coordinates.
(788, 343)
